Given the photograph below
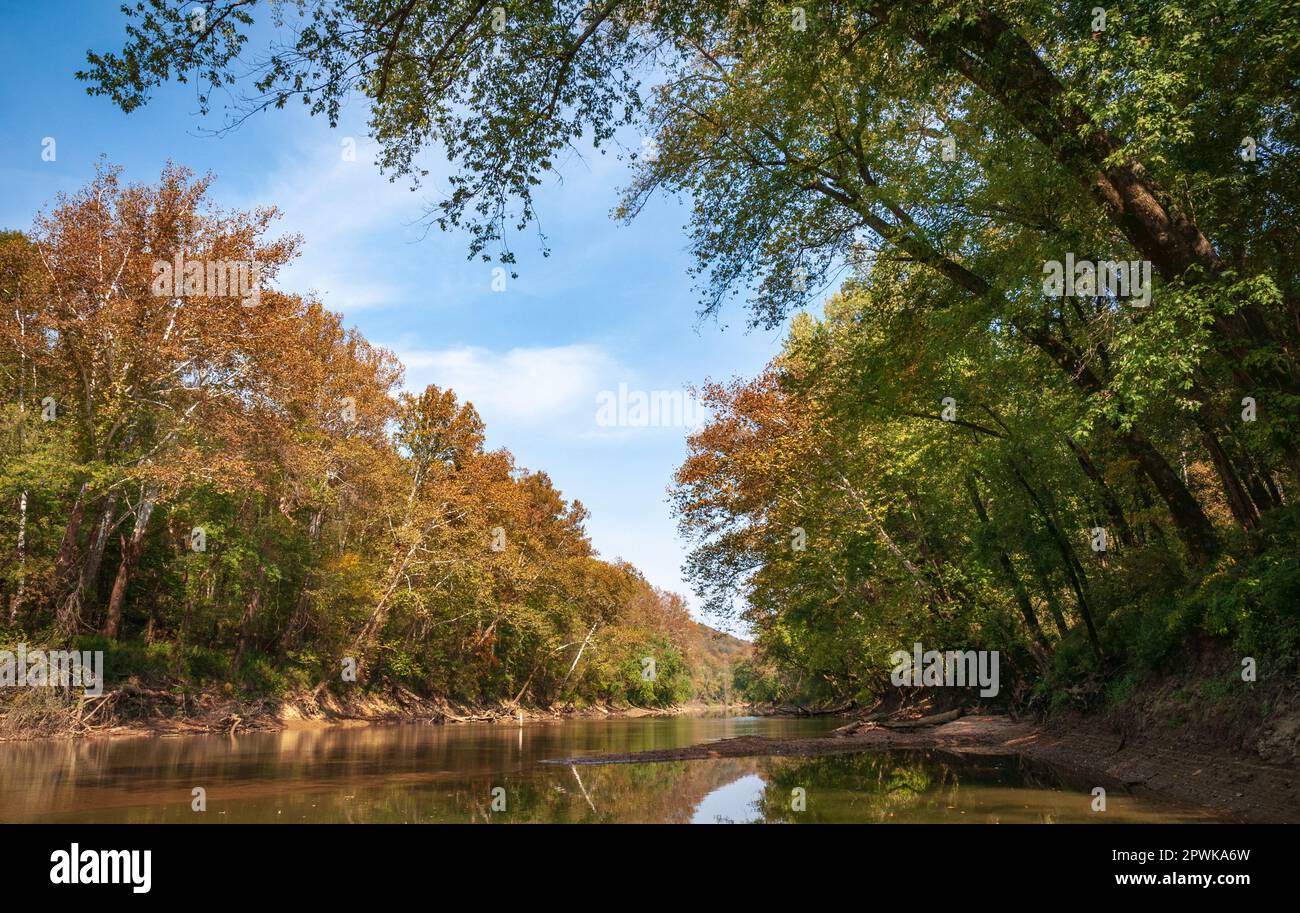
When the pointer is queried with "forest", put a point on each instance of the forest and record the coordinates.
(1036, 269)
(220, 490)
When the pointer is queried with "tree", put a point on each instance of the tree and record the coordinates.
(228, 472)
(805, 140)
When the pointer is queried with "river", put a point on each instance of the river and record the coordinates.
(495, 773)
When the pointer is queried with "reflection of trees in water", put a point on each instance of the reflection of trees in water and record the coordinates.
(406, 773)
(413, 775)
(423, 774)
(399, 774)
(917, 786)
(611, 793)
(54, 777)
(854, 787)
(382, 773)
(607, 793)
(885, 786)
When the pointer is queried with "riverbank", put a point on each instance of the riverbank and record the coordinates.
(1257, 780)
(133, 710)
(1225, 782)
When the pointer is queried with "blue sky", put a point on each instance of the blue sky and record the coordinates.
(612, 304)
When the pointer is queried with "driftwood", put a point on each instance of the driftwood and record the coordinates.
(932, 720)
(442, 716)
(812, 711)
(850, 728)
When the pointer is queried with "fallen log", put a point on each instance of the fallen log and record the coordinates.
(932, 720)
(856, 725)
(797, 710)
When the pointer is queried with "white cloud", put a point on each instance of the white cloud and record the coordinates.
(356, 225)
(521, 386)
(333, 199)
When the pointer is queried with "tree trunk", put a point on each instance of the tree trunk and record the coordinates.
(1111, 503)
(1009, 571)
(75, 600)
(248, 620)
(72, 533)
(1073, 570)
(95, 554)
(585, 641)
(131, 550)
(923, 542)
(374, 625)
(1239, 502)
(302, 604)
(1049, 595)
(1194, 528)
(16, 604)
(989, 52)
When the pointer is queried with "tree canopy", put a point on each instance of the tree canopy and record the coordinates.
(958, 418)
(229, 477)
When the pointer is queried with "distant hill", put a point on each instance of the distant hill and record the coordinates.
(711, 655)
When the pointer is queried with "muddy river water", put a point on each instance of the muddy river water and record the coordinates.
(496, 773)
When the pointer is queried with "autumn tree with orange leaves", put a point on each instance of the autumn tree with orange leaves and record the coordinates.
(201, 463)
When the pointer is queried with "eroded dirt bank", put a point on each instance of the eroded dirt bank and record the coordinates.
(132, 710)
(1238, 787)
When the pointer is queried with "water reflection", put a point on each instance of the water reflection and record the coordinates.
(370, 773)
(735, 803)
(941, 787)
(420, 773)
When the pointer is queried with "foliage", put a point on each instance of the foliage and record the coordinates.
(950, 434)
(227, 491)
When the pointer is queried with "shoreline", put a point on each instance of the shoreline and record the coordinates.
(132, 711)
(1236, 787)
(1235, 784)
